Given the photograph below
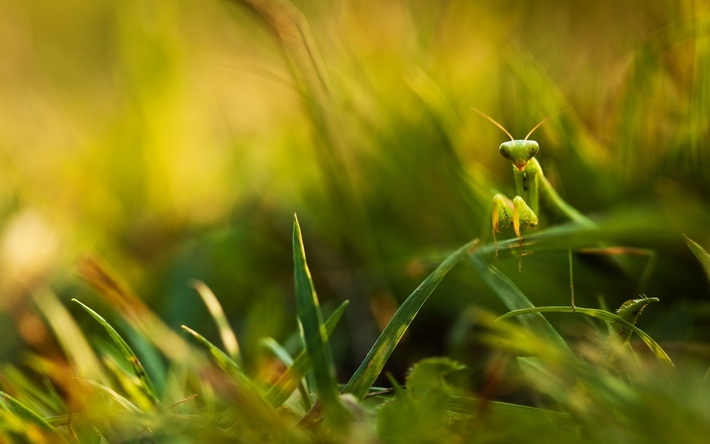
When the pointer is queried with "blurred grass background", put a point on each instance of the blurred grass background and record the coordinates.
(176, 139)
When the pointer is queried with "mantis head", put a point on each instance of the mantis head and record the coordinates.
(519, 152)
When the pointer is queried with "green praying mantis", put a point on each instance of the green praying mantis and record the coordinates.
(531, 186)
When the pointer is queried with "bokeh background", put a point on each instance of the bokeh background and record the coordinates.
(175, 141)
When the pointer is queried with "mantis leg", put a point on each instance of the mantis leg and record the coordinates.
(644, 275)
(615, 252)
(515, 213)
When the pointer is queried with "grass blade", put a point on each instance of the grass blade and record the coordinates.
(136, 312)
(124, 402)
(277, 350)
(701, 254)
(287, 383)
(23, 412)
(315, 334)
(128, 353)
(72, 340)
(514, 299)
(603, 315)
(229, 339)
(249, 399)
(283, 355)
(359, 384)
(224, 362)
(521, 415)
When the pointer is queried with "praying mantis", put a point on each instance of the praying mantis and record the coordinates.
(531, 186)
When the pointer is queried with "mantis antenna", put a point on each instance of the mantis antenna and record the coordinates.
(490, 119)
(545, 120)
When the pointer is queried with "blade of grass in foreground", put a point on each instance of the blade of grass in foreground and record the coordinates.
(603, 315)
(287, 383)
(25, 413)
(700, 253)
(136, 312)
(128, 353)
(508, 413)
(314, 331)
(248, 398)
(121, 400)
(223, 361)
(229, 339)
(285, 357)
(75, 345)
(514, 299)
(370, 368)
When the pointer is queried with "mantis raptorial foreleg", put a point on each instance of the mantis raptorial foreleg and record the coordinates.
(515, 213)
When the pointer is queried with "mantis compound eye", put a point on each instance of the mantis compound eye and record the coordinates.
(505, 150)
(534, 148)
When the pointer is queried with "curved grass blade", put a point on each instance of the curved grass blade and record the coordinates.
(248, 397)
(370, 368)
(507, 413)
(224, 362)
(25, 413)
(229, 339)
(136, 312)
(285, 357)
(277, 350)
(45, 395)
(701, 254)
(574, 236)
(314, 331)
(74, 344)
(287, 383)
(514, 299)
(603, 315)
(128, 353)
(124, 402)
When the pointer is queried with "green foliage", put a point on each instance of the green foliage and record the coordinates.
(420, 414)
(594, 393)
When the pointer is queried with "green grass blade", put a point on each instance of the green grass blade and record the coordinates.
(287, 383)
(314, 331)
(701, 254)
(137, 313)
(283, 355)
(277, 350)
(359, 384)
(72, 340)
(603, 315)
(24, 413)
(520, 415)
(44, 395)
(574, 236)
(229, 339)
(249, 399)
(127, 351)
(224, 362)
(124, 402)
(514, 299)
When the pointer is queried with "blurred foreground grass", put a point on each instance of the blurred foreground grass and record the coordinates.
(176, 139)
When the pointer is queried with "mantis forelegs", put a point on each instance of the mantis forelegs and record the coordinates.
(515, 213)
